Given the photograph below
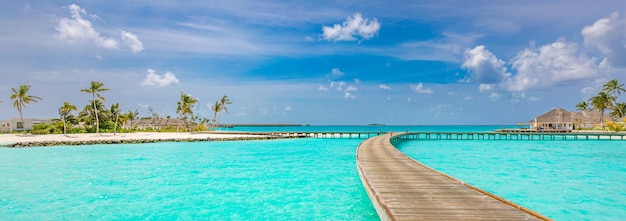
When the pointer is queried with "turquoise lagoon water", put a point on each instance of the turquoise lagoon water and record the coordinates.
(312, 179)
(301, 179)
(564, 180)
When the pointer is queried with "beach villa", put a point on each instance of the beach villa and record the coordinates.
(15, 124)
(561, 119)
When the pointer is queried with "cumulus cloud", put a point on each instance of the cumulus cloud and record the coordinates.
(419, 88)
(80, 30)
(384, 87)
(288, 108)
(552, 64)
(354, 28)
(77, 29)
(533, 68)
(132, 41)
(483, 66)
(322, 88)
(153, 79)
(608, 35)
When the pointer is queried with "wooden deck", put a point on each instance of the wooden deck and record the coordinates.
(403, 189)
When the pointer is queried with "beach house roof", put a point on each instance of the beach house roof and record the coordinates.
(558, 115)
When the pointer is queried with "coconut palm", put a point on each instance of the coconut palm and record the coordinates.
(618, 110)
(216, 108)
(185, 107)
(115, 110)
(601, 102)
(582, 106)
(94, 90)
(223, 102)
(613, 88)
(64, 112)
(22, 98)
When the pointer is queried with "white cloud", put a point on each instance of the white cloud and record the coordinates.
(352, 29)
(288, 108)
(483, 66)
(132, 41)
(351, 88)
(609, 36)
(549, 65)
(419, 88)
(335, 73)
(322, 88)
(467, 98)
(586, 90)
(384, 87)
(357, 81)
(485, 87)
(153, 79)
(494, 96)
(338, 85)
(348, 95)
(80, 30)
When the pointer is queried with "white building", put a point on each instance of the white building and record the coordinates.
(15, 124)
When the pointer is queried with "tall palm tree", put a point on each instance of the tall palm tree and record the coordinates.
(216, 108)
(613, 88)
(582, 106)
(22, 98)
(64, 112)
(115, 110)
(185, 107)
(601, 102)
(223, 102)
(95, 89)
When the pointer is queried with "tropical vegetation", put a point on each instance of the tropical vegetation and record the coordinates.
(607, 99)
(95, 117)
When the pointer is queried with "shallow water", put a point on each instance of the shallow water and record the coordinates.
(302, 179)
(564, 180)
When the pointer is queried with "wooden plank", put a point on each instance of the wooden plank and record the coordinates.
(403, 189)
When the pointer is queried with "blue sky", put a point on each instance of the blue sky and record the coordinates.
(316, 62)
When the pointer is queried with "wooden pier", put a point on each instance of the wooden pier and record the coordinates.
(403, 189)
(339, 135)
(509, 135)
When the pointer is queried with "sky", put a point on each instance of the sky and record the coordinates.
(316, 62)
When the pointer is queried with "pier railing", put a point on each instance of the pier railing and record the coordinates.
(507, 136)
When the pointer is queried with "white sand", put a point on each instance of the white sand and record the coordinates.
(16, 138)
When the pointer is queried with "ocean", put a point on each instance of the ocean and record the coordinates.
(304, 179)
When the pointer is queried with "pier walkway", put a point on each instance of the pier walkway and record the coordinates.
(403, 189)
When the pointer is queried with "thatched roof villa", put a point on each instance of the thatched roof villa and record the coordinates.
(561, 119)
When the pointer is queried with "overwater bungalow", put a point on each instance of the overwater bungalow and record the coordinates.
(561, 119)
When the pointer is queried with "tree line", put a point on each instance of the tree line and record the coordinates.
(96, 116)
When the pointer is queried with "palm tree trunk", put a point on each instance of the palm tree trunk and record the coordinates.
(96, 112)
(22, 118)
(115, 126)
(64, 130)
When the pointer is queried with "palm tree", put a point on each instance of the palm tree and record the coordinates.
(582, 106)
(618, 110)
(223, 102)
(115, 110)
(216, 108)
(94, 90)
(185, 107)
(22, 98)
(613, 88)
(64, 112)
(601, 102)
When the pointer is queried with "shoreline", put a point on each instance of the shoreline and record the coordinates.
(18, 140)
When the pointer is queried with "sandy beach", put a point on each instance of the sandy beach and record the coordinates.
(19, 138)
